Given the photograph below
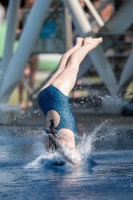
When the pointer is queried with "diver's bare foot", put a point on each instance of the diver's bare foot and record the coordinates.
(92, 42)
(79, 41)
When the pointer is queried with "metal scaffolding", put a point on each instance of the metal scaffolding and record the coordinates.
(12, 66)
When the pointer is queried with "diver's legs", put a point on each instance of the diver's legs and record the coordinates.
(63, 61)
(66, 80)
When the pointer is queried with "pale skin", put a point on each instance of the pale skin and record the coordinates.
(64, 79)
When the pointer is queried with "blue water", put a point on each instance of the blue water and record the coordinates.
(26, 173)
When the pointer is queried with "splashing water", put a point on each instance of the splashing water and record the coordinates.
(84, 148)
(45, 158)
(85, 145)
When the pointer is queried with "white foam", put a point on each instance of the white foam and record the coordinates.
(45, 158)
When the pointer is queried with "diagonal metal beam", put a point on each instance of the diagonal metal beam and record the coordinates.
(26, 43)
(100, 8)
(10, 36)
(94, 13)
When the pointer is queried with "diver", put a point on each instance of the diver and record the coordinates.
(54, 102)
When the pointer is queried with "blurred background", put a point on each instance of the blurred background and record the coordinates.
(33, 39)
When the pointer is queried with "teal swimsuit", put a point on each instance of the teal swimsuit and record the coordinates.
(52, 98)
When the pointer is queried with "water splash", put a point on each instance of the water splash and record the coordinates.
(45, 158)
(84, 148)
(85, 145)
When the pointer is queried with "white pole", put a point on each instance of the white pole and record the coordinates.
(94, 13)
(78, 17)
(26, 44)
(10, 36)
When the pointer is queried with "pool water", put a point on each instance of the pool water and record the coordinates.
(106, 171)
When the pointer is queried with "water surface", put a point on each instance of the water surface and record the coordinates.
(26, 172)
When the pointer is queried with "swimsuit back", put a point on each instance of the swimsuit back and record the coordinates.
(51, 98)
